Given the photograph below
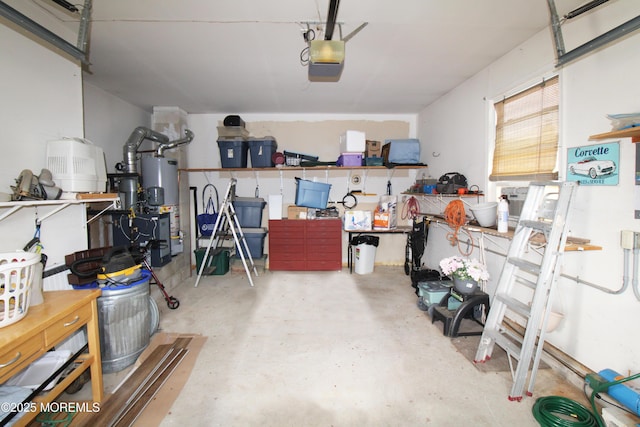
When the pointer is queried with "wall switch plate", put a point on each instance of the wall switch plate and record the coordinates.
(627, 239)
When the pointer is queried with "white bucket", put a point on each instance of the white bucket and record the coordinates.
(365, 256)
(485, 213)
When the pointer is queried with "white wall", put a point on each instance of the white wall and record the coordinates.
(109, 121)
(597, 325)
(41, 101)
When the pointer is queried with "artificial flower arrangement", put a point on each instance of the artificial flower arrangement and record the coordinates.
(464, 268)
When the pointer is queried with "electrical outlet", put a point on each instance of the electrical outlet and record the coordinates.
(627, 239)
(636, 240)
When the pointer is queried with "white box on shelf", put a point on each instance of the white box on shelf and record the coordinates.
(353, 141)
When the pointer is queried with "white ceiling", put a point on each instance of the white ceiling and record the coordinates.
(243, 56)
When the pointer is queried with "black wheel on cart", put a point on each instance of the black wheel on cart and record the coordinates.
(173, 303)
(421, 305)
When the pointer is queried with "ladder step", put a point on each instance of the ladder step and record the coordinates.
(505, 342)
(543, 226)
(526, 282)
(513, 304)
(525, 265)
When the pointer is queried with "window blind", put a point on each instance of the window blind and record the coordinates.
(526, 147)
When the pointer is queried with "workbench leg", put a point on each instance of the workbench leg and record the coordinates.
(93, 339)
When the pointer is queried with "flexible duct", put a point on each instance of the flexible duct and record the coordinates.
(173, 144)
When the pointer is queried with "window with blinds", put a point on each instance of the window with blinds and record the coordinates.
(527, 135)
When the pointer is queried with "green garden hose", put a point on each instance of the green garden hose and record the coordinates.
(573, 413)
(558, 411)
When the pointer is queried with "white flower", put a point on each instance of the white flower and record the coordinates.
(464, 268)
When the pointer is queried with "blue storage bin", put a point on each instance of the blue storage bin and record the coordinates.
(432, 292)
(261, 151)
(249, 211)
(255, 240)
(401, 151)
(312, 194)
(233, 152)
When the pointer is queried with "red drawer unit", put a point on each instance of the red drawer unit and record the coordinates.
(305, 245)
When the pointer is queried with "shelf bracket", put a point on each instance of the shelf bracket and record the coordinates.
(10, 212)
(54, 211)
(114, 205)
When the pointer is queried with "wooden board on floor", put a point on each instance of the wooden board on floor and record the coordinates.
(165, 394)
(160, 406)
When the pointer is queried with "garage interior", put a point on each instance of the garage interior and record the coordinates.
(302, 336)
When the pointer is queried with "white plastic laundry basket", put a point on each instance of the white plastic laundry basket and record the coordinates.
(16, 276)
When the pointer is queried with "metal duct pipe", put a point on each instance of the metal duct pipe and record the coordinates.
(173, 144)
(135, 139)
(331, 19)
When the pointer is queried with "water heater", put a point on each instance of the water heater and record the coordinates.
(162, 173)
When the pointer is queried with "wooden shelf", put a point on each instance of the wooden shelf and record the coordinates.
(633, 133)
(574, 244)
(299, 168)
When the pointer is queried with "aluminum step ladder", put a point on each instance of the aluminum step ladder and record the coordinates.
(225, 222)
(525, 288)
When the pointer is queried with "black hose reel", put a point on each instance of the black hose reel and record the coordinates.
(349, 201)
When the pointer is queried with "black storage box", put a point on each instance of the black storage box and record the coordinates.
(233, 121)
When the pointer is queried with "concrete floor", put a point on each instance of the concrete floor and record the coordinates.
(332, 349)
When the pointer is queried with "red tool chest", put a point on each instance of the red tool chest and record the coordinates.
(305, 245)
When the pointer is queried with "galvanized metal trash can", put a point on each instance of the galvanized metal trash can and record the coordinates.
(125, 323)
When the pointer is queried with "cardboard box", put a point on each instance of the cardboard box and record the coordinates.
(296, 212)
(374, 149)
(385, 217)
(358, 220)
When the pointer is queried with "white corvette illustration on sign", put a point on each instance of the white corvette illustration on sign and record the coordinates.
(592, 167)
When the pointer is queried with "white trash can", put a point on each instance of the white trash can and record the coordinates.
(364, 249)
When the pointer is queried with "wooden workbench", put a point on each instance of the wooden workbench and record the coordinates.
(60, 315)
